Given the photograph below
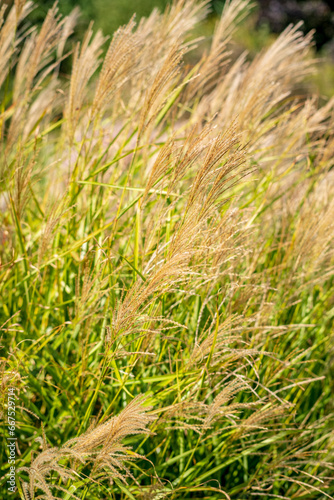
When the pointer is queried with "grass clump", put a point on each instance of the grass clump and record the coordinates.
(166, 256)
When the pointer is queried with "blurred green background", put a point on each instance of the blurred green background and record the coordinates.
(106, 14)
(269, 18)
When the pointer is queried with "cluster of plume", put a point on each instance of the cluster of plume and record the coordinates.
(167, 226)
(101, 446)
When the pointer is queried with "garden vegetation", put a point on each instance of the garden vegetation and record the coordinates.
(166, 245)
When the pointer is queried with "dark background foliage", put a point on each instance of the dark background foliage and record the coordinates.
(275, 14)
